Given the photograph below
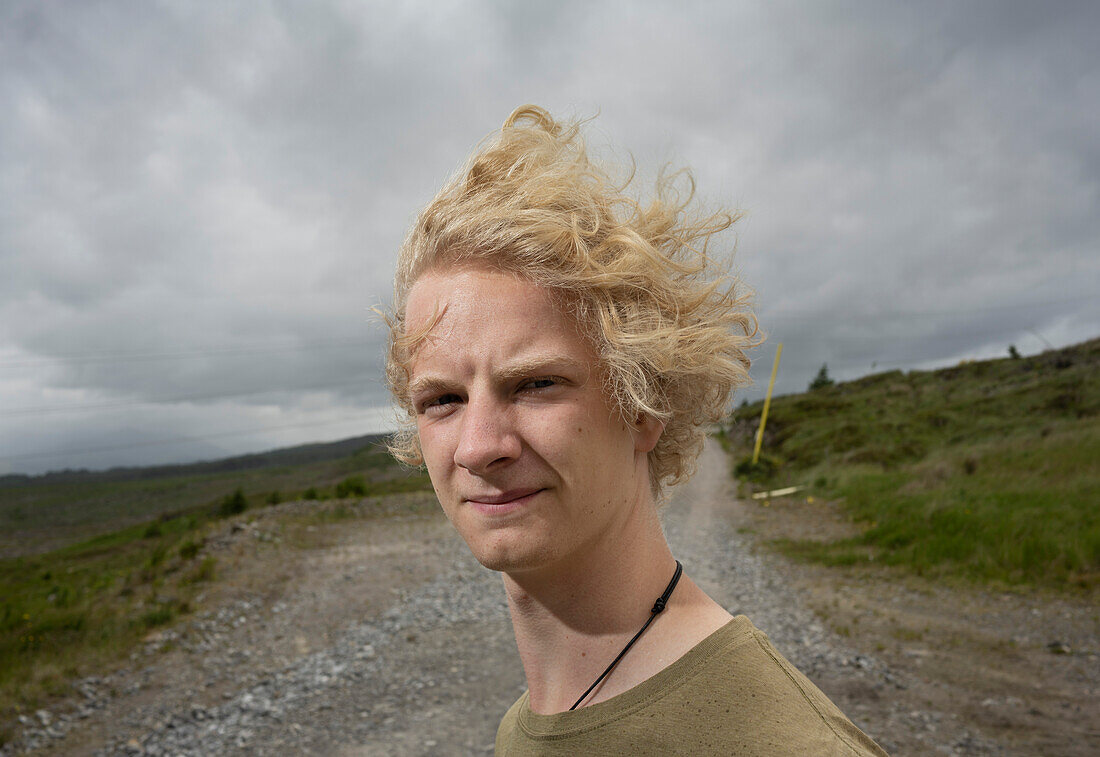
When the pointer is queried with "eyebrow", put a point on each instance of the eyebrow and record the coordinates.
(539, 364)
(532, 366)
(427, 385)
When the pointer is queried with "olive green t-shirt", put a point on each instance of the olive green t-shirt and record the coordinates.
(732, 694)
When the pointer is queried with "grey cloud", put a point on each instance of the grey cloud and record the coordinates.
(920, 182)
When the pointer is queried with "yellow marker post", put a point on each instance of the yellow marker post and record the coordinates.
(767, 404)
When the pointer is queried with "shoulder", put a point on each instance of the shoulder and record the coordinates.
(509, 723)
(776, 703)
(731, 694)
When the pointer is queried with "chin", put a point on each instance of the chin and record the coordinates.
(499, 560)
(508, 558)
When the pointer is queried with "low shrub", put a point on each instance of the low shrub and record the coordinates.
(190, 548)
(762, 471)
(205, 571)
(233, 504)
(353, 486)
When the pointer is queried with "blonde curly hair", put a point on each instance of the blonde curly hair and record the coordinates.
(669, 324)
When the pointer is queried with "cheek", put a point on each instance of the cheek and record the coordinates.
(434, 448)
(435, 460)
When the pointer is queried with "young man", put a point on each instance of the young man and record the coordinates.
(558, 347)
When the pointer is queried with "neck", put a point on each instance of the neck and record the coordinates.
(572, 619)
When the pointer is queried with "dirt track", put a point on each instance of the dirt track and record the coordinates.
(382, 636)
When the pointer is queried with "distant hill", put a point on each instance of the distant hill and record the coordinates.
(305, 453)
(39, 513)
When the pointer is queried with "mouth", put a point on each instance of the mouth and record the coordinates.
(498, 504)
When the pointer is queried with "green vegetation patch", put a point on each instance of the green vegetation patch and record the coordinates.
(76, 609)
(986, 471)
(38, 514)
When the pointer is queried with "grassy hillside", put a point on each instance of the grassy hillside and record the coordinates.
(304, 453)
(988, 470)
(45, 512)
(136, 555)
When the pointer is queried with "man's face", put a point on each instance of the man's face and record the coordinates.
(528, 460)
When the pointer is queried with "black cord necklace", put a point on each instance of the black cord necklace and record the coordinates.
(657, 607)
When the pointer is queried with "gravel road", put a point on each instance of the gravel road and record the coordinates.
(396, 642)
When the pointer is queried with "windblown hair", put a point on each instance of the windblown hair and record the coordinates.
(667, 321)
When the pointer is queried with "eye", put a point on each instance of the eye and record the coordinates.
(440, 404)
(543, 382)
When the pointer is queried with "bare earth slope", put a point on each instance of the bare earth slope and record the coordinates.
(385, 637)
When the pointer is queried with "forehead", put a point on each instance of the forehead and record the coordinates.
(491, 313)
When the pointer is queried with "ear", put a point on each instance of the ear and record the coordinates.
(647, 430)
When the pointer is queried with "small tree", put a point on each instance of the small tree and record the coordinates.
(233, 503)
(822, 380)
(1013, 352)
(353, 486)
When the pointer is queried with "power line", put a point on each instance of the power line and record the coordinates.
(169, 440)
(47, 409)
(936, 313)
(106, 356)
(124, 356)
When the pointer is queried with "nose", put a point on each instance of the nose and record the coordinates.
(487, 438)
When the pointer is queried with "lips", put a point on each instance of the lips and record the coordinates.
(504, 498)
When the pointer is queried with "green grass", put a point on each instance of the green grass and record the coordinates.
(40, 516)
(986, 471)
(78, 608)
(72, 609)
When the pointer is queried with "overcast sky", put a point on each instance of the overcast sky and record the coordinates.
(199, 202)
